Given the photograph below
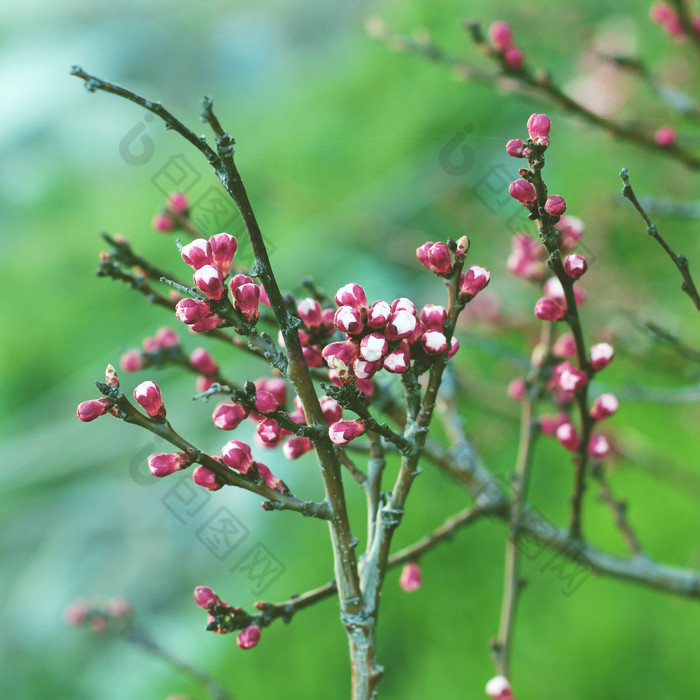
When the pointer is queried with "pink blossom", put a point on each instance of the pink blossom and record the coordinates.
(538, 126)
(523, 191)
(197, 253)
(131, 361)
(501, 35)
(601, 355)
(163, 464)
(342, 432)
(209, 280)
(191, 310)
(203, 362)
(163, 223)
(249, 637)
(604, 406)
(352, 295)
(178, 203)
(228, 415)
(410, 579)
(237, 455)
(223, 248)
(555, 205)
(147, 395)
(206, 479)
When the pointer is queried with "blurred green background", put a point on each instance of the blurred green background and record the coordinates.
(343, 145)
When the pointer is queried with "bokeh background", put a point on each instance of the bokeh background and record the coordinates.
(351, 153)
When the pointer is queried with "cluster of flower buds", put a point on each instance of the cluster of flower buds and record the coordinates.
(101, 616)
(663, 14)
(317, 327)
(90, 410)
(161, 347)
(499, 688)
(172, 216)
(538, 127)
(501, 36)
(222, 618)
(437, 257)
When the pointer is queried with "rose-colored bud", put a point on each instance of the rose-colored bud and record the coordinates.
(205, 597)
(514, 148)
(378, 315)
(440, 259)
(197, 254)
(422, 253)
(119, 607)
(564, 346)
(499, 688)
(571, 229)
(434, 342)
(567, 436)
(549, 424)
(571, 378)
(454, 346)
(605, 405)
(209, 280)
(462, 247)
(343, 431)
(131, 361)
(75, 614)
(228, 415)
(178, 203)
(501, 36)
(523, 191)
(598, 446)
(270, 479)
(538, 126)
(265, 402)
(433, 316)
(203, 362)
(297, 446)
(398, 360)
(548, 309)
(162, 464)
(364, 369)
(223, 248)
(516, 389)
(150, 345)
(401, 325)
(513, 57)
(332, 412)
(554, 290)
(410, 579)
(167, 338)
(601, 355)
(403, 304)
(575, 266)
(374, 346)
(191, 310)
(249, 637)
(555, 205)
(206, 479)
(206, 324)
(312, 355)
(269, 431)
(111, 378)
(163, 223)
(340, 356)
(665, 136)
(237, 455)
(348, 320)
(310, 313)
(661, 13)
(147, 395)
(246, 298)
(473, 281)
(352, 295)
(275, 385)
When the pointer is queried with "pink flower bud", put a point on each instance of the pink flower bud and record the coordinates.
(499, 688)
(571, 378)
(270, 479)
(513, 57)
(555, 205)
(342, 432)
(209, 280)
(348, 320)
(297, 446)
(462, 247)
(501, 36)
(163, 223)
(401, 325)
(205, 597)
(516, 389)
(246, 298)
(605, 405)
(203, 362)
(514, 148)
(575, 266)
(332, 412)
(433, 316)
(538, 126)
(206, 479)
(434, 342)
(403, 304)
(147, 395)
(548, 309)
(366, 386)
(223, 248)
(228, 415)
(191, 310)
(177, 202)
(265, 402)
(374, 346)
(131, 361)
(352, 295)
(571, 229)
(440, 259)
(454, 346)
(75, 614)
(472, 282)
(312, 355)
(410, 579)
(568, 437)
(564, 346)
(364, 369)
(378, 315)
(398, 360)
(162, 464)
(167, 338)
(237, 455)
(665, 136)
(598, 446)
(275, 385)
(601, 355)
(661, 13)
(197, 254)
(549, 424)
(340, 356)
(310, 313)
(249, 637)
(206, 324)
(269, 432)
(150, 345)
(523, 191)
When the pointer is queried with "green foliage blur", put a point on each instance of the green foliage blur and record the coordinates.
(346, 148)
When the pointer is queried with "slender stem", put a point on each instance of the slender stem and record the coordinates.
(680, 261)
